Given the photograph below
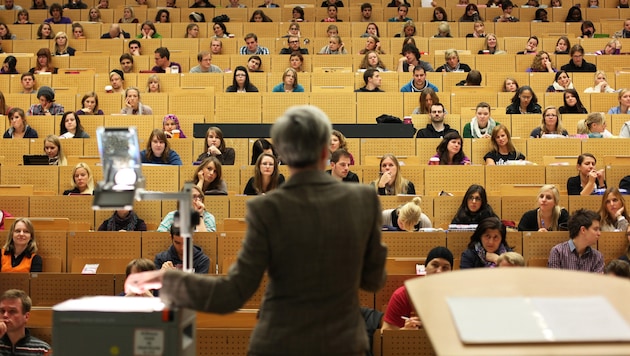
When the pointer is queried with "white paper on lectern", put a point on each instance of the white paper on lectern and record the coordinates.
(537, 320)
(111, 304)
(427, 3)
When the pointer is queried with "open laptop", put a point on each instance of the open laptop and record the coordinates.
(35, 160)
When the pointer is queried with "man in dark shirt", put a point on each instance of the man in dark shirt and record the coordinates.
(115, 32)
(163, 62)
(294, 46)
(172, 258)
(437, 128)
(373, 80)
(340, 167)
(577, 62)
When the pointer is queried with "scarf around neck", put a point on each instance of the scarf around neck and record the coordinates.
(481, 253)
(478, 132)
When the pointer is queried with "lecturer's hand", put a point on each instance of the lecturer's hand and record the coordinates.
(139, 283)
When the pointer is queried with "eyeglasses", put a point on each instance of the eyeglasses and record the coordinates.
(197, 197)
(294, 41)
(474, 198)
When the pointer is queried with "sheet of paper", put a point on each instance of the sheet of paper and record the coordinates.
(90, 268)
(537, 320)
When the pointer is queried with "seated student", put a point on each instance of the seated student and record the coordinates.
(214, 145)
(618, 268)
(503, 149)
(82, 180)
(474, 207)
(89, 106)
(47, 105)
(261, 146)
(403, 10)
(335, 46)
(613, 213)
(16, 337)
(531, 47)
(163, 63)
(207, 177)
(486, 244)
(541, 64)
(482, 124)
(18, 128)
(52, 149)
(427, 98)
(289, 83)
(407, 217)
(450, 150)
(332, 14)
(19, 253)
(173, 257)
(572, 103)
(600, 84)
(158, 150)
(479, 30)
(204, 58)
(56, 15)
(562, 82)
(8, 65)
(549, 216)
(123, 220)
(551, 124)
(136, 266)
(419, 82)
(373, 80)
(452, 63)
(577, 254)
(240, 82)
(623, 108)
(293, 43)
(577, 63)
(588, 179)
(206, 220)
(170, 123)
(594, 126)
(524, 101)
(266, 176)
(399, 313)
(116, 32)
(338, 141)
(70, 126)
(437, 128)
(340, 166)
(473, 79)
(133, 105)
(391, 181)
(510, 259)
(411, 59)
(507, 6)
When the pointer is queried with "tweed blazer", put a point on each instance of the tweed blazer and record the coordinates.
(319, 240)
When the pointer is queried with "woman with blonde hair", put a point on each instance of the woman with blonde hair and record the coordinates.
(153, 84)
(128, 16)
(338, 141)
(82, 180)
(595, 124)
(391, 181)
(551, 124)
(549, 216)
(408, 30)
(52, 149)
(491, 45)
(19, 253)
(407, 217)
(600, 84)
(614, 216)
(61, 45)
(192, 31)
(289, 83)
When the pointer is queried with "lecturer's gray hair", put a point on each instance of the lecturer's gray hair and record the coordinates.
(300, 134)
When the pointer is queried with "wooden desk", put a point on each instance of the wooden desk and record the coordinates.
(428, 295)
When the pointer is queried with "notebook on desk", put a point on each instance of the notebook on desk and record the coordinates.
(35, 160)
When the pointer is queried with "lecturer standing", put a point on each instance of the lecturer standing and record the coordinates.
(318, 239)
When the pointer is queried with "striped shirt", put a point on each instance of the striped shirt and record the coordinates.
(27, 346)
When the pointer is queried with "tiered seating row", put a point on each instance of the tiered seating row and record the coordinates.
(351, 26)
(511, 194)
(366, 152)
